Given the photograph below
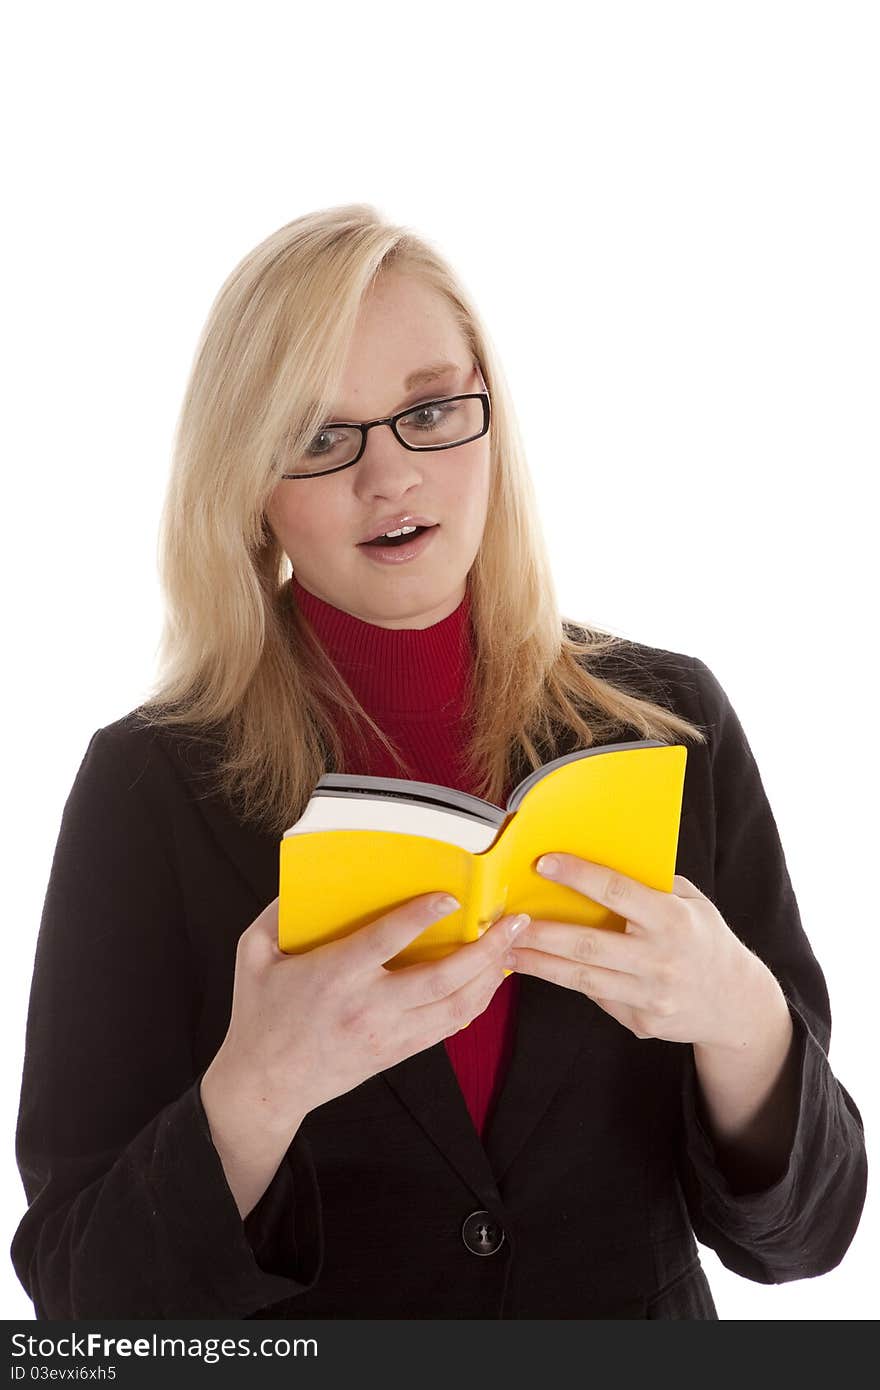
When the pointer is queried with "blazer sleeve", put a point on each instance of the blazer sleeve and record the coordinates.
(803, 1223)
(130, 1213)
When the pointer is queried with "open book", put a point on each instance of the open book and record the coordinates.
(365, 845)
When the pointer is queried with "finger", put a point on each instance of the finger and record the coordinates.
(448, 1016)
(644, 906)
(417, 985)
(381, 940)
(589, 945)
(590, 980)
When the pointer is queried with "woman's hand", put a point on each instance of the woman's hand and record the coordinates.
(307, 1027)
(677, 972)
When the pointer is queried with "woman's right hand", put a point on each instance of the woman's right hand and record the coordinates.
(308, 1027)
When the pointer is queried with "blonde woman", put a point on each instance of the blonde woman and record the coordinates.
(212, 1128)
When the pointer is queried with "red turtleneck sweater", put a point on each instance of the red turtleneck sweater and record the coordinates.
(413, 683)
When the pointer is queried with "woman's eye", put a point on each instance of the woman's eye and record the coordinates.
(313, 447)
(429, 415)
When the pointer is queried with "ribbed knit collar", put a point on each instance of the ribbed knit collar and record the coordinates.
(395, 670)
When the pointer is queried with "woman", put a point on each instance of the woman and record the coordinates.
(211, 1128)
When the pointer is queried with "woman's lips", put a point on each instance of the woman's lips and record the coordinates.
(399, 554)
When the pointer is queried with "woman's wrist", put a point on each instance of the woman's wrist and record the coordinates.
(238, 1095)
(748, 1085)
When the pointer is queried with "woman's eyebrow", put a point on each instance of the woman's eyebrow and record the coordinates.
(415, 381)
(423, 375)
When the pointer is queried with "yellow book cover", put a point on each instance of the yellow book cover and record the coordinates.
(365, 845)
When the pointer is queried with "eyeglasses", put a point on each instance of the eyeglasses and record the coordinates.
(433, 425)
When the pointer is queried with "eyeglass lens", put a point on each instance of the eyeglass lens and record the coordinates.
(438, 422)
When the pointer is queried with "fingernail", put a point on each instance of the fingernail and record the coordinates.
(548, 864)
(517, 925)
(443, 904)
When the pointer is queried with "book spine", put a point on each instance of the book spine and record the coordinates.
(490, 885)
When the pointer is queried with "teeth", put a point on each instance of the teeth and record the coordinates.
(404, 531)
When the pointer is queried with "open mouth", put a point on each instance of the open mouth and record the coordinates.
(395, 542)
(399, 549)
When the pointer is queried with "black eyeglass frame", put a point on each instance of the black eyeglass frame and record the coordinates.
(392, 420)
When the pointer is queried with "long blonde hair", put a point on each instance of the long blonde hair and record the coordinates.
(237, 662)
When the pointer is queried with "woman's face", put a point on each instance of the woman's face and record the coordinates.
(402, 326)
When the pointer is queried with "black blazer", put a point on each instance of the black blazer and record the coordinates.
(597, 1169)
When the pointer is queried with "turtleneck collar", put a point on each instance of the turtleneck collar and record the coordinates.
(394, 670)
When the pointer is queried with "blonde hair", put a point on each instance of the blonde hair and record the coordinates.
(237, 661)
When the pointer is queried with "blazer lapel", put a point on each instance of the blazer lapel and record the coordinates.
(551, 1028)
(428, 1087)
(253, 853)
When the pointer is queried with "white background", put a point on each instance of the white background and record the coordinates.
(668, 216)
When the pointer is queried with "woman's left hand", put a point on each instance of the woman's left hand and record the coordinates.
(677, 972)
